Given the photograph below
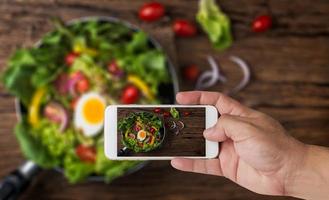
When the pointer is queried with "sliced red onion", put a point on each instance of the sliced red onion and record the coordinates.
(147, 139)
(77, 76)
(210, 77)
(56, 113)
(114, 69)
(61, 84)
(180, 125)
(132, 136)
(246, 74)
(172, 125)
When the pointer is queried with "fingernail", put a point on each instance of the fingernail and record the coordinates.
(208, 131)
(176, 163)
(178, 95)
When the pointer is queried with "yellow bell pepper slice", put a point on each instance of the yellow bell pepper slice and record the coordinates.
(33, 115)
(79, 48)
(152, 140)
(141, 85)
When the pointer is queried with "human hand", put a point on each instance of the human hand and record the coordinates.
(255, 152)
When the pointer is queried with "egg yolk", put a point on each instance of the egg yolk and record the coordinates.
(141, 135)
(93, 111)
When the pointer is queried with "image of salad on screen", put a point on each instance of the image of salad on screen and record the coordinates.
(64, 84)
(151, 131)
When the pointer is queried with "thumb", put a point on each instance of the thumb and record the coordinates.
(232, 127)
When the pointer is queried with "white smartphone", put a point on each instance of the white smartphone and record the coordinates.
(158, 132)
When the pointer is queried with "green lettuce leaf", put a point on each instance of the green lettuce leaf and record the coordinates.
(32, 148)
(16, 77)
(29, 69)
(74, 169)
(57, 143)
(174, 113)
(215, 23)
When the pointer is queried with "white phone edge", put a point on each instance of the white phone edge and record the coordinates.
(110, 140)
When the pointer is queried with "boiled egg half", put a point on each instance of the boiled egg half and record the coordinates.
(141, 135)
(89, 113)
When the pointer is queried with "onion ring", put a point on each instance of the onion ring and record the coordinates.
(180, 125)
(246, 74)
(210, 77)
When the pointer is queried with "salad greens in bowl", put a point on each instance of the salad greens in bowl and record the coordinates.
(64, 83)
(142, 131)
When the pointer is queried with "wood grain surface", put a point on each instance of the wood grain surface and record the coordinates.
(188, 141)
(290, 81)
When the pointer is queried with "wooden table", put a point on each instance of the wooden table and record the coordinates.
(290, 81)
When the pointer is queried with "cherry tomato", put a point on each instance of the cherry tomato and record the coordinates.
(85, 153)
(69, 58)
(77, 75)
(137, 128)
(157, 110)
(262, 23)
(114, 69)
(166, 114)
(82, 85)
(184, 28)
(186, 114)
(140, 144)
(191, 73)
(151, 11)
(130, 95)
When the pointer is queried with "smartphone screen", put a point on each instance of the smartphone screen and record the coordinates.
(161, 131)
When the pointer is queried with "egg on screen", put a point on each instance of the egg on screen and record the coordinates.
(141, 135)
(89, 113)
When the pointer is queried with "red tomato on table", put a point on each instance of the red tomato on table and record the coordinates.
(184, 28)
(262, 23)
(151, 11)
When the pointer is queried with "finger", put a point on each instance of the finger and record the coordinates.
(204, 166)
(233, 127)
(223, 103)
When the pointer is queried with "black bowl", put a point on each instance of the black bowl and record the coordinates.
(166, 94)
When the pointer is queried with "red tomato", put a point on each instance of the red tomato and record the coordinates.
(151, 11)
(157, 110)
(262, 23)
(69, 58)
(166, 114)
(114, 69)
(130, 95)
(77, 75)
(85, 153)
(82, 85)
(184, 28)
(137, 128)
(191, 73)
(186, 114)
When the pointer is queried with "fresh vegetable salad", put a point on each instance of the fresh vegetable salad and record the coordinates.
(66, 82)
(141, 132)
